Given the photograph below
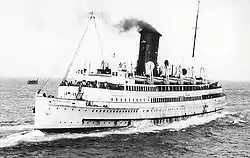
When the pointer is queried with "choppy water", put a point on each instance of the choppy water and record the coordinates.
(226, 134)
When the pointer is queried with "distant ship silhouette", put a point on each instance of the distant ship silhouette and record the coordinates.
(32, 81)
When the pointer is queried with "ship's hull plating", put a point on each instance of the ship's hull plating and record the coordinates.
(60, 115)
(156, 121)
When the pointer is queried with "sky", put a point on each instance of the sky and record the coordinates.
(38, 38)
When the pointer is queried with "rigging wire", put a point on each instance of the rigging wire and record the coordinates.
(77, 49)
(99, 39)
(43, 85)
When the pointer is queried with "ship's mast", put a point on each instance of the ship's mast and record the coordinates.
(195, 29)
(91, 16)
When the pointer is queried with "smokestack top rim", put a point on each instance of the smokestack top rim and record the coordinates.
(150, 31)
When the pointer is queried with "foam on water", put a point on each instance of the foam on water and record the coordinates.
(31, 135)
(16, 128)
(16, 138)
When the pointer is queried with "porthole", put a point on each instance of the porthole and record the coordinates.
(79, 110)
(64, 108)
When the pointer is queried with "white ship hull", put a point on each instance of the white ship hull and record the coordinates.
(68, 115)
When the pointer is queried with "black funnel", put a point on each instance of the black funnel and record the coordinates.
(149, 43)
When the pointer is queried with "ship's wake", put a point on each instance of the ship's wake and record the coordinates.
(28, 134)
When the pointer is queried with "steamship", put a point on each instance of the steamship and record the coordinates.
(115, 97)
(32, 81)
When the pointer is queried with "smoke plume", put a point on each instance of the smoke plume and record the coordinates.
(126, 25)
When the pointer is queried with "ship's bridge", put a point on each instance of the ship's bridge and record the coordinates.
(105, 75)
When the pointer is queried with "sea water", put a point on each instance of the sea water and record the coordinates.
(225, 134)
